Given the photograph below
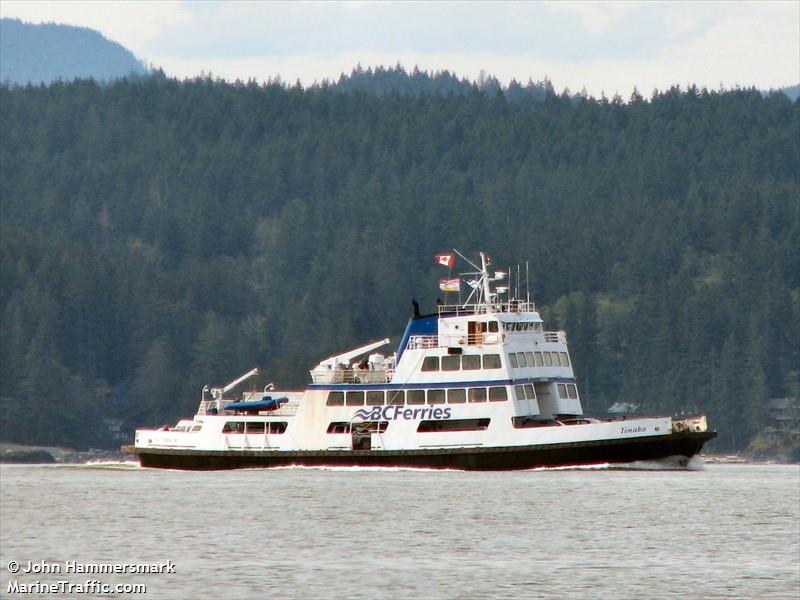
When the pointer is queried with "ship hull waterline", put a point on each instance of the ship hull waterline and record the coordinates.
(684, 444)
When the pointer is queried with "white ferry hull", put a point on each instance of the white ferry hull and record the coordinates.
(684, 444)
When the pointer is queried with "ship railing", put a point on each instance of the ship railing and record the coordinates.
(416, 342)
(511, 306)
(323, 375)
(205, 405)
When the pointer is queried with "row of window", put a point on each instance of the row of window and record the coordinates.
(255, 427)
(529, 422)
(493, 327)
(423, 427)
(365, 427)
(457, 362)
(566, 391)
(525, 326)
(417, 397)
(279, 427)
(538, 359)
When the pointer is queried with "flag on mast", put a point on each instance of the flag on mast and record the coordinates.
(446, 260)
(450, 285)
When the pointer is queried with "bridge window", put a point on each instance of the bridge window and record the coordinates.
(497, 394)
(529, 358)
(456, 396)
(524, 392)
(548, 360)
(491, 361)
(471, 362)
(453, 425)
(477, 394)
(521, 361)
(430, 363)
(564, 359)
(539, 359)
(397, 397)
(335, 399)
(451, 363)
(354, 399)
(416, 396)
(512, 359)
(435, 396)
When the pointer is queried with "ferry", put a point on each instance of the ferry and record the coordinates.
(477, 385)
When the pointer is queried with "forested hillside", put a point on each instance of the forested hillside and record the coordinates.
(160, 235)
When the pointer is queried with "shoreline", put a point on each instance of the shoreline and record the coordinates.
(11, 453)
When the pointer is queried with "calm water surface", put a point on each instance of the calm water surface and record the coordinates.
(723, 531)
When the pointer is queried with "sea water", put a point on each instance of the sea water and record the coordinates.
(713, 531)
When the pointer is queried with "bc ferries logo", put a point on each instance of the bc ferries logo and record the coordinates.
(394, 413)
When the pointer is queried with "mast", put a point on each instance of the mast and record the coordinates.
(485, 287)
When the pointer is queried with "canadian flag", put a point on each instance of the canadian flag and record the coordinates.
(446, 260)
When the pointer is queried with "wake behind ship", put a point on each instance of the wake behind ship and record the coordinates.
(478, 385)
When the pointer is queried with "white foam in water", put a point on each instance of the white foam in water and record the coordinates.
(673, 463)
(111, 464)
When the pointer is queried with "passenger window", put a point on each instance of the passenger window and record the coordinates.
(529, 393)
(233, 427)
(497, 394)
(430, 363)
(471, 362)
(512, 358)
(492, 326)
(435, 396)
(564, 359)
(521, 359)
(374, 398)
(255, 427)
(519, 391)
(572, 390)
(477, 394)
(416, 396)
(456, 396)
(277, 427)
(539, 360)
(562, 390)
(451, 363)
(548, 360)
(491, 361)
(396, 397)
(355, 399)
(335, 399)
(334, 427)
(529, 358)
